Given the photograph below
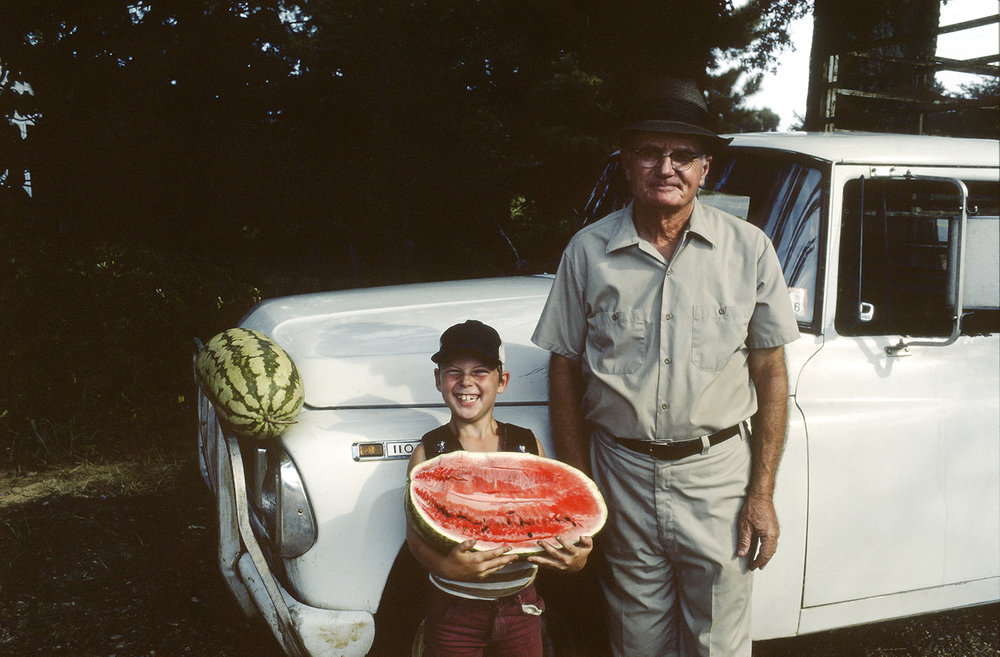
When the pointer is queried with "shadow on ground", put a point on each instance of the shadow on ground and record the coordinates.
(134, 575)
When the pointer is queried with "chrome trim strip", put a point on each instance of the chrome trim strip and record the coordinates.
(289, 637)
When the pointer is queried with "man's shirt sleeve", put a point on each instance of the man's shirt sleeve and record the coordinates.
(773, 322)
(562, 327)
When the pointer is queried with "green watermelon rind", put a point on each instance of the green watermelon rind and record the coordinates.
(252, 382)
(444, 539)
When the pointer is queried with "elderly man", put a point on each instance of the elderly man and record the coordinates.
(666, 322)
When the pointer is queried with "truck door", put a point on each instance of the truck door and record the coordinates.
(902, 415)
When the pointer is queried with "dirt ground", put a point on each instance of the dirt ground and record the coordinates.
(119, 561)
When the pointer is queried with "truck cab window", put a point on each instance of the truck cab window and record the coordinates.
(898, 257)
(981, 305)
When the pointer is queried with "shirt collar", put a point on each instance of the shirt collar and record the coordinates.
(701, 224)
(625, 234)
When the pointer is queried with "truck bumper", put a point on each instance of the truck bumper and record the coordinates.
(321, 632)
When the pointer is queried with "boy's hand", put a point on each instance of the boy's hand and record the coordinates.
(465, 564)
(566, 556)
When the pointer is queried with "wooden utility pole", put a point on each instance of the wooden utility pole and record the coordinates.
(872, 66)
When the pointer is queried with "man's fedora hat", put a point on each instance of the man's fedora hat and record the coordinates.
(673, 106)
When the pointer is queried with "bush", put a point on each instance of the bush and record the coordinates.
(99, 345)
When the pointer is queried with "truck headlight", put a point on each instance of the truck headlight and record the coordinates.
(286, 515)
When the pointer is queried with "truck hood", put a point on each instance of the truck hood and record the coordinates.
(372, 347)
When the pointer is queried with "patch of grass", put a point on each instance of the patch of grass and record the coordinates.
(145, 473)
(21, 535)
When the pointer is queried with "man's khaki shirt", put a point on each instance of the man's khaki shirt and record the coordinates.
(664, 345)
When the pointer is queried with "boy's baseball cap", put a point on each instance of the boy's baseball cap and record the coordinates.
(474, 337)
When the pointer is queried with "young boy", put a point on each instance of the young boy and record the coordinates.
(482, 601)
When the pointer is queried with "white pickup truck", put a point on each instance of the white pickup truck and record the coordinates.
(889, 490)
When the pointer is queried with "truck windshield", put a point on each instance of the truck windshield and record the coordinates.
(778, 192)
(784, 197)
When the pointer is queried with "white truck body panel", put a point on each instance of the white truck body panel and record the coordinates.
(920, 428)
(888, 493)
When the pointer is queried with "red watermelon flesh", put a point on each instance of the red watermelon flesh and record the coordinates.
(502, 498)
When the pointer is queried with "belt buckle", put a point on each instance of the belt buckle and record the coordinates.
(705, 445)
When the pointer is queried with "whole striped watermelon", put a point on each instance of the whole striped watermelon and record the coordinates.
(501, 498)
(252, 382)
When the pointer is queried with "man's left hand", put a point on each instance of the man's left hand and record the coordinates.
(758, 531)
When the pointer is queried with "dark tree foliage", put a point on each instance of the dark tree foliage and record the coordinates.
(726, 100)
(367, 141)
(191, 156)
(154, 117)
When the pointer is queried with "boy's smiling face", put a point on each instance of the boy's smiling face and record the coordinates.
(469, 387)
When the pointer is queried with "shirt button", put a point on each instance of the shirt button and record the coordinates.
(614, 317)
(669, 272)
(664, 405)
(722, 311)
(667, 361)
(668, 316)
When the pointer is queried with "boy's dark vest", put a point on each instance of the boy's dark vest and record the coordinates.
(512, 439)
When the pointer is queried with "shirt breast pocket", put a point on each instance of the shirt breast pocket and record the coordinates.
(617, 341)
(717, 333)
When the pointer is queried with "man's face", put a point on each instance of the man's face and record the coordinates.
(664, 186)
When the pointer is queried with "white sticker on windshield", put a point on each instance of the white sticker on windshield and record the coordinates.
(800, 302)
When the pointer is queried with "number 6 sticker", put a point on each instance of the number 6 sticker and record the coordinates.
(800, 301)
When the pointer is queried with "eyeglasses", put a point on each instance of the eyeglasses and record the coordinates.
(650, 157)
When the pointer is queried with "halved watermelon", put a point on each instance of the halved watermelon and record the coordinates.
(501, 498)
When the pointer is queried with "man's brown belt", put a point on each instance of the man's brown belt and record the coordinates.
(674, 451)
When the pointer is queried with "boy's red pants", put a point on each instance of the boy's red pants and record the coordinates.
(460, 627)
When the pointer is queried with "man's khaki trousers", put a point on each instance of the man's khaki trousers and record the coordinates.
(674, 586)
